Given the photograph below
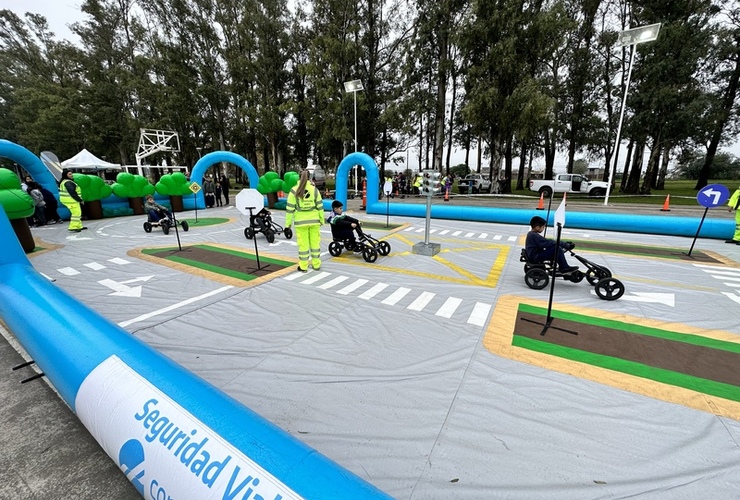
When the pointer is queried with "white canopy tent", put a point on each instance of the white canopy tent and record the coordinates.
(85, 160)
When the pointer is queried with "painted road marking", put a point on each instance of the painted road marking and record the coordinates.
(483, 236)
(469, 235)
(376, 289)
(441, 233)
(393, 298)
(293, 276)
(421, 301)
(449, 307)
(733, 296)
(456, 233)
(120, 261)
(480, 314)
(68, 271)
(178, 305)
(333, 282)
(95, 266)
(316, 277)
(352, 287)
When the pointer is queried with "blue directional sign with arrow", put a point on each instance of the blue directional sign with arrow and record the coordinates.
(712, 195)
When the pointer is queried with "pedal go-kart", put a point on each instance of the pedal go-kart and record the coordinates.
(270, 228)
(537, 276)
(166, 222)
(368, 246)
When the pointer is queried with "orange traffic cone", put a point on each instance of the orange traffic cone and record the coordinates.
(666, 204)
(447, 194)
(364, 194)
(541, 204)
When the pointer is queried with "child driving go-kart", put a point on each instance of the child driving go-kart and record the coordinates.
(158, 215)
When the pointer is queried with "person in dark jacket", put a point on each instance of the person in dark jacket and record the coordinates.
(50, 210)
(541, 249)
(225, 186)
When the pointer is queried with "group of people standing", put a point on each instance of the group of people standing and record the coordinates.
(45, 204)
(213, 190)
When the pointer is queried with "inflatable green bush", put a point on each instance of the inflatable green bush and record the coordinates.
(16, 202)
(271, 182)
(132, 186)
(93, 187)
(173, 185)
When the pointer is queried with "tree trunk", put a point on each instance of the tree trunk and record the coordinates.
(272, 198)
(23, 233)
(137, 205)
(663, 167)
(94, 209)
(176, 203)
(627, 166)
(633, 183)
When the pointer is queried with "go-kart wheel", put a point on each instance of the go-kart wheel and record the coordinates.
(369, 254)
(185, 225)
(384, 248)
(593, 276)
(576, 276)
(335, 249)
(288, 233)
(165, 226)
(270, 235)
(527, 267)
(248, 233)
(609, 288)
(147, 227)
(536, 278)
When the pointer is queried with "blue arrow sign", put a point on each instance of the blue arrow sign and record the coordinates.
(712, 195)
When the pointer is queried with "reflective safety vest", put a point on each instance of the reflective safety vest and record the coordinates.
(64, 195)
(734, 201)
(306, 211)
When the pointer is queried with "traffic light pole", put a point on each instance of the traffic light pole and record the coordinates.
(430, 186)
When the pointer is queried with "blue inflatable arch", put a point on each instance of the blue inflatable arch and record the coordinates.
(35, 167)
(372, 176)
(217, 157)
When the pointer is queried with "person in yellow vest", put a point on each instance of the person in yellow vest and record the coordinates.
(304, 211)
(70, 196)
(417, 184)
(734, 204)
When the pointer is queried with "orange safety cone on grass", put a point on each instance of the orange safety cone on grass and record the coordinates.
(541, 204)
(666, 204)
(447, 194)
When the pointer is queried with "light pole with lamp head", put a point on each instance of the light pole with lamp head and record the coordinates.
(354, 86)
(630, 37)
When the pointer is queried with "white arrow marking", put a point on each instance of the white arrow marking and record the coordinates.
(136, 280)
(121, 289)
(668, 299)
(734, 297)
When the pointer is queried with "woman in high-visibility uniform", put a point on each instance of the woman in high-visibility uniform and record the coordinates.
(70, 196)
(304, 210)
(734, 204)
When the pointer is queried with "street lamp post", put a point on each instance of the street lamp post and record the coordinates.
(630, 37)
(354, 86)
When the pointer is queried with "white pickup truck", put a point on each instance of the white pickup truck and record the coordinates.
(568, 183)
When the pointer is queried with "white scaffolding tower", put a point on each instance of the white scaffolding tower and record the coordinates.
(154, 141)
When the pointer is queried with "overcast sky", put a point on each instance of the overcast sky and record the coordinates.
(61, 13)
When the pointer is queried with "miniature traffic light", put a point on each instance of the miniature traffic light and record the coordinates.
(430, 182)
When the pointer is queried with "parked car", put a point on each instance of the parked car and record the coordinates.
(318, 176)
(474, 183)
(568, 183)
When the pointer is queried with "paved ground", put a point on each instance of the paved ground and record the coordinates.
(48, 454)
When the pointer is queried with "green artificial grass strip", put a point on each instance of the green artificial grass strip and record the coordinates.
(379, 225)
(701, 385)
(205, 221)
(637, 329)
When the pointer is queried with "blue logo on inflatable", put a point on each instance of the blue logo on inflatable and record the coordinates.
(131, 461)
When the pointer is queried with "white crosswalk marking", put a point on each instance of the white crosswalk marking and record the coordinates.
(95, 266)
(335, 281)
(421, 301)
(420, 230)
(497, 237)
(512, 238)
(431, 231)
(483, 236)
(456, 233)
(315, 277)
(444, 232)
(469, 235)
(68, 271)
(120, 261)
(352, 287)
(480, 314)
(410, 228)
(293, 276)
(449, 307)
(376, 289)
(393, 298)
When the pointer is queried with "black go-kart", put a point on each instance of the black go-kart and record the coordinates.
(368, 246)
(268, 227)
(537, 276)
(166, 222)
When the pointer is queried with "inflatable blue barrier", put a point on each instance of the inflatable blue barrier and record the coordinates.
(173, 434)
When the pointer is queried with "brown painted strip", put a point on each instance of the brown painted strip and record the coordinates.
(227, 261)
(697, 361)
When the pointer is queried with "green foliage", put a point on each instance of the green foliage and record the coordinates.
(93, 187)
(271, 183)
(16, 202)
(724, 166)
(132, 186)
(458, 171)
(173, 185)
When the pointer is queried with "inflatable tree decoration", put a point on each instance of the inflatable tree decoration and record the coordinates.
(269, 183)
(132, 186)
(17, 205)
(289, 181)
(93, 190)
(173, 185)
(93, 187)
